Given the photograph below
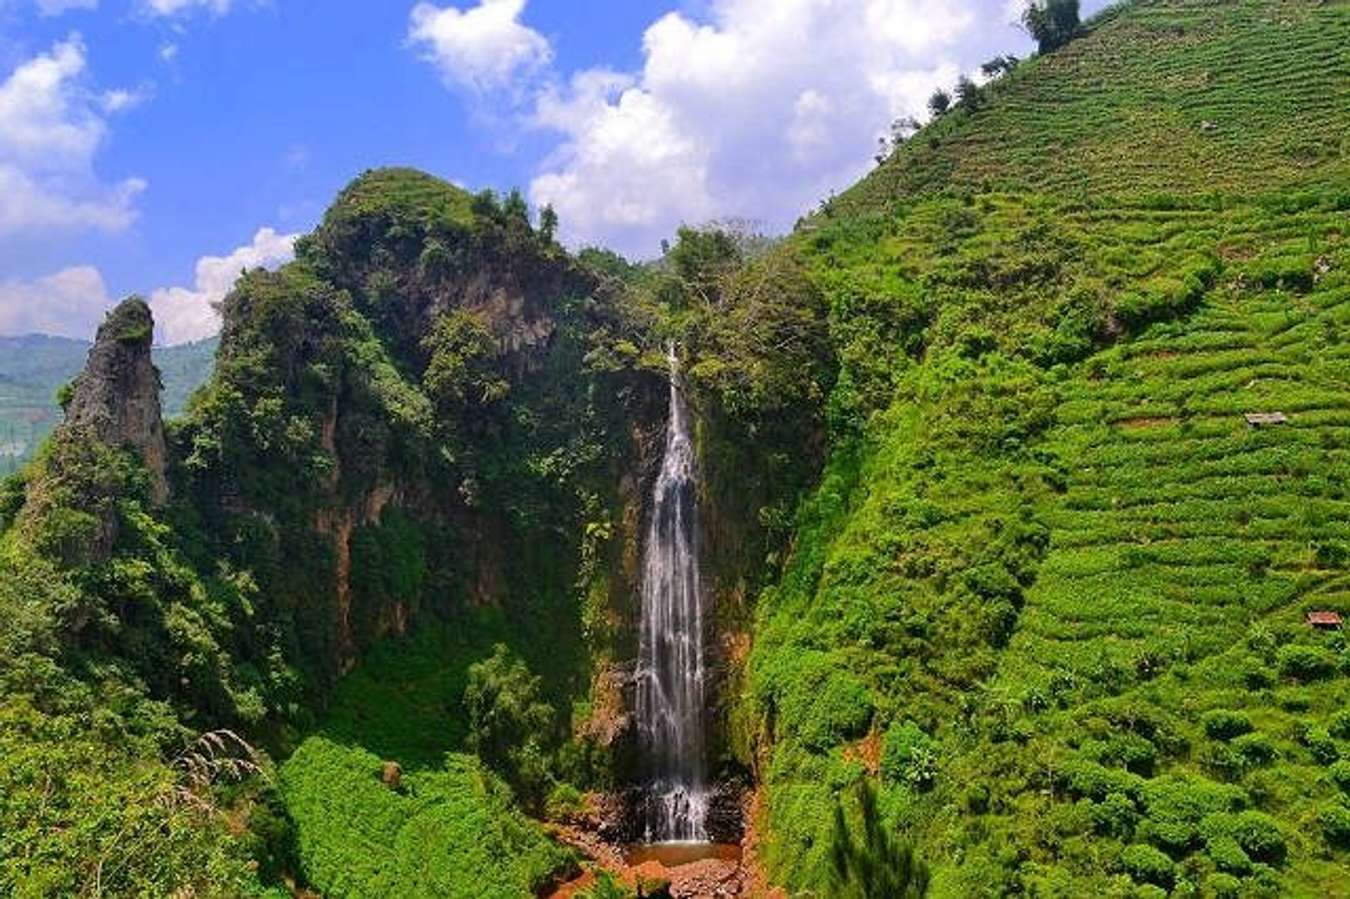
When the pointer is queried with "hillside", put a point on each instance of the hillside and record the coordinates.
(1158, 97)
(1060, 574)
(33, 368)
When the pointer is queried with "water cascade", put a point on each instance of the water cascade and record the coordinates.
(670, 688)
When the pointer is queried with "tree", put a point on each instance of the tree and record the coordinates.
(515, 207)
(510, 727)
(1052, 23)
(548, 222)
(939, 102)
(999, 66)
(880, 865)
(703, 260)
(902, 129)
(968, 93)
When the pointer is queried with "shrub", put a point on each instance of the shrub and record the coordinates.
(1146, 864)
(1223, 886)
(1224, 724)
(1340, 775)
(1256, 676)
(1254, 749)
(605, 887)
(1340, 726)
(1089, 779)
(826, 703)
(564, 801)
(1176, 806)
(907, 756)
(1320, 745)
(1131, 751)
(1335, 821)
(1228, 855)
(1305, 663)
(1257, 834)
(1114, 816)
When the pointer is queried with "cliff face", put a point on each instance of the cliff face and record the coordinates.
(421, 416)
(116, 397)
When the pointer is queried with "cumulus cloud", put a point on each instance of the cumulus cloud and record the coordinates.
(483, 48)
(70, 303)
(51, 126)
(184, 314)
(759, 111)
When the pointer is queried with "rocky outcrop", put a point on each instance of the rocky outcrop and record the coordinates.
(116, 397)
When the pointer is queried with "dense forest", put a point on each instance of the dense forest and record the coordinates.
(1024, 480)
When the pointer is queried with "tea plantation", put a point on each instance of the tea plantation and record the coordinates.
(1052, 591)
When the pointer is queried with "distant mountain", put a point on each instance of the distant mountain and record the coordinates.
(34, 366)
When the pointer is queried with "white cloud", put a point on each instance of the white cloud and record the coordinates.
(51, 126)
(184, 314)
(483, 48)
(56, 7)
(175, 7)
(168, 52)
(70, 303)
(122, 99)
(759, 111)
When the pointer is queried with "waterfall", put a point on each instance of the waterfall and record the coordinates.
(670, 689)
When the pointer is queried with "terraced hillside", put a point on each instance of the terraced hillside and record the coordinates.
(1167, 96)
(1051, 593)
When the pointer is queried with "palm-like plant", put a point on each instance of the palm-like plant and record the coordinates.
(877, 864)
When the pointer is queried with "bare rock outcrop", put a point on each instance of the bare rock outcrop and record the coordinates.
(116, 397)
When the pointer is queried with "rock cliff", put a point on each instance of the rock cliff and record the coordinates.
(116, 397)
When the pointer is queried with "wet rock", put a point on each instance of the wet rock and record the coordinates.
(726, 818)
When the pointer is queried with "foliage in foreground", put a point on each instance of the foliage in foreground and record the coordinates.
(874, 863)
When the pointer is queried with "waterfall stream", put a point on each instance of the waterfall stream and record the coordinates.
(670, 694)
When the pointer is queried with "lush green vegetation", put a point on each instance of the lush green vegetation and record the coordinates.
(448, 832)
(338, 481)
(992, 545)
(1051, 590)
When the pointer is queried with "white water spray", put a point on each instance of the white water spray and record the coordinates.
(670, 698)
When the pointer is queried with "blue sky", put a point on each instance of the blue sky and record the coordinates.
(156, 146)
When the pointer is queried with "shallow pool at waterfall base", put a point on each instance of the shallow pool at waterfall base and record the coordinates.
(672, 855)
